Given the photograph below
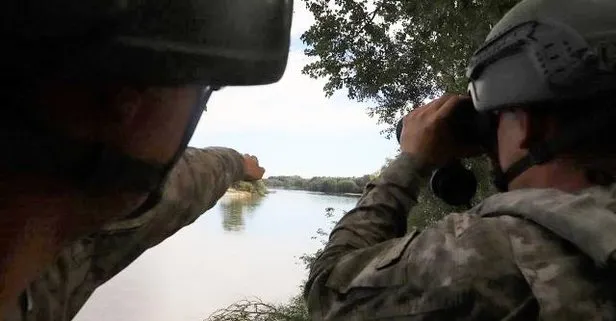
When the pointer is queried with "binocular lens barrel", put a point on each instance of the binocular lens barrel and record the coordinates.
(453, 183)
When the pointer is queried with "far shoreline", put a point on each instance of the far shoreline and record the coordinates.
(273, 190)
(241, 194)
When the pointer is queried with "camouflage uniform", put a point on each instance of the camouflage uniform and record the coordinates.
(522, 255)
(195, 184)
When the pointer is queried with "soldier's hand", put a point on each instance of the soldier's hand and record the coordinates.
(252, 170)
(426, 136)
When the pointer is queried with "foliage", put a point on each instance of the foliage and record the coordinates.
(396, 54)
(256, 187)
(333, 185)
(257, 310)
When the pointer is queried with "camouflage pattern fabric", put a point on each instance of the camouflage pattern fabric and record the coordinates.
(195, 184)
(533, 254)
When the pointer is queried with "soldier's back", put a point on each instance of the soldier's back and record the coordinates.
(562, 244)
(522, 255)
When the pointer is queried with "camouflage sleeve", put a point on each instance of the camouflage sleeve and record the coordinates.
(380, 213)
(199, 179)
(195, 184)
(460, 269)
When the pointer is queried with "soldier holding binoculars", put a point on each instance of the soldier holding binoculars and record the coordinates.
(543, 248)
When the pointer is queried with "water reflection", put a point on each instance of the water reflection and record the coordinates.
(236, 208)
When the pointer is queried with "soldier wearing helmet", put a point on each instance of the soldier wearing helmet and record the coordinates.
(100, 100)
(543, 248)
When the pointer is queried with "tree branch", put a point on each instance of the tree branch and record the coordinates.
(369, 20)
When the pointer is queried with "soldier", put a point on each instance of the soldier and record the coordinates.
(544, 247)
(100, 101)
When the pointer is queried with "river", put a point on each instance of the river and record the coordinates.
(241, 248)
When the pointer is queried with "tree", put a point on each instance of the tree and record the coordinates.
(347, 186)
(275, 182)
(329, 186)
(257, 310)
(396, 54)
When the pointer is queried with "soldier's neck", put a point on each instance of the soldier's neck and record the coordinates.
(556, 174)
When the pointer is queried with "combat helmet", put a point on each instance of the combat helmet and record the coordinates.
(208, 42)
(140, 43)
(546, 52)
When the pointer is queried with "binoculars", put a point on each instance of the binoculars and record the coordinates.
(453, 183)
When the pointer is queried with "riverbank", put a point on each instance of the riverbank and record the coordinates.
(315, 192)
(247, 189)
(351, 186)
(235, 193)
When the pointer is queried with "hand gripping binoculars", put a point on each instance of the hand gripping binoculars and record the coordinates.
(453, 183)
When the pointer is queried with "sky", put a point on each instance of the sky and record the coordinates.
(292, 127)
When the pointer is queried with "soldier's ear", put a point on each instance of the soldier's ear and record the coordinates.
(537, 127)
(514, 125)
(524, 125)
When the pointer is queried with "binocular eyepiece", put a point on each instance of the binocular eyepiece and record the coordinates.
(453, 183)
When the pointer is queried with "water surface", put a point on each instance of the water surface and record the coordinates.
(241, 248)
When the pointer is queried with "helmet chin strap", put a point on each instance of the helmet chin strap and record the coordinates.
(537, 155)
(544, 152)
